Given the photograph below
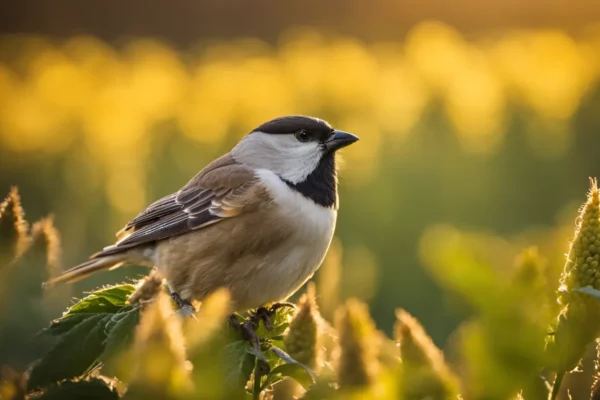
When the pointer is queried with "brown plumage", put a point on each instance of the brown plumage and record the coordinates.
(257, 221)
(217, 192)
(197, 261)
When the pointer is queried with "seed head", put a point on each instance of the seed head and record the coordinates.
(579, 320)
(302, 339)
(424, 373)
(160, 367)
(356, 359)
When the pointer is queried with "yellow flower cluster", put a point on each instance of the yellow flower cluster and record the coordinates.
(84, 92)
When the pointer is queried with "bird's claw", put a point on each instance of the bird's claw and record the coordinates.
(185, 308)
(187, 311)
(265, 314)
(248, 328)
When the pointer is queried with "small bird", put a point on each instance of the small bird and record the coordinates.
(257, 221)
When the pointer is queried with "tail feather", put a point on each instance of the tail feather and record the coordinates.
(87, 268)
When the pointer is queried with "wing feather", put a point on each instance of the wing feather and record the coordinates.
(220, 191)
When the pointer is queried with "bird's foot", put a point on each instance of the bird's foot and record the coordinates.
(185, 308)
(284, 304)
(266, 314)
(248, 328)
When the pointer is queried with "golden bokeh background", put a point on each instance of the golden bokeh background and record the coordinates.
(488, 134)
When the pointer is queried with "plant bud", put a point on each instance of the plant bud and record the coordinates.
(302, 338)
(357, 363)
(424, 373)
(160, 369)
(147, 288)
(579, 320)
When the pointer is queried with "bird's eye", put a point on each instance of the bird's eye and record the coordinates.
(302, 136)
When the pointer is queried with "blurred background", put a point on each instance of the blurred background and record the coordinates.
(479, 118)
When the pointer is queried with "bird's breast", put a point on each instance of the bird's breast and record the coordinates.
(261, 256)
(311, 221)
(295, 259)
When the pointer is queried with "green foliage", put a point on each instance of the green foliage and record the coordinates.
(76, 351)
(292, 368)
(239, 362)
(504, 350)
(93, 389)
(297, 371)
(93, 329)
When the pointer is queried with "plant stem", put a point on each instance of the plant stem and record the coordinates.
(556, 385)
(257, 377)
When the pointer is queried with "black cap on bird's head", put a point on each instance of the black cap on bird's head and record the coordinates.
(301, 151)
(308, 129)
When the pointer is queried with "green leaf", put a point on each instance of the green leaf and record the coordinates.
(110, 300)
(238, 362)
(117, 295)
(300, 377)
(95, 389)
(65, 324)
(75, 352)
(120, 330)
(295, 371)
(589, 290)
(107, 300)
(256, 353)
(93, 304)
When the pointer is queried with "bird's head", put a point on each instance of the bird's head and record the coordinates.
(292, 146)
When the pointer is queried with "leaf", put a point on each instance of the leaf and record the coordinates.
(95, 389)
(107, 300)
(256, 353)
(590, 290)
(117, 295)
(295, 371)
(110, 300)
(65, 324)
(75, 352)
(121, 333)
(278, 330)
(238, 362)
(95, 305)
(299, 376)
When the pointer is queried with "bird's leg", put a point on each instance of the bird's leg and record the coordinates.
(248, 328)
(265, 314)
(277, 306)
(180, 302)
(186, 309)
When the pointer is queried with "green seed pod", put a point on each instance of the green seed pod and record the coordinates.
(356, 361)
(424, 373)
(578, 322)
(302, 338)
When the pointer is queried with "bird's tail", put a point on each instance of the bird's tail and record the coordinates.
(87, 268)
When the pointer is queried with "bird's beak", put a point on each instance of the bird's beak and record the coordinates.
(340, 139)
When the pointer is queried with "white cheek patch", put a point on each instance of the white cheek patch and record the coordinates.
(283, 154)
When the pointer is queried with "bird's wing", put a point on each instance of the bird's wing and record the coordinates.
(222, 190)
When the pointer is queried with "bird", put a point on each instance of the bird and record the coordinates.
(257, 221)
